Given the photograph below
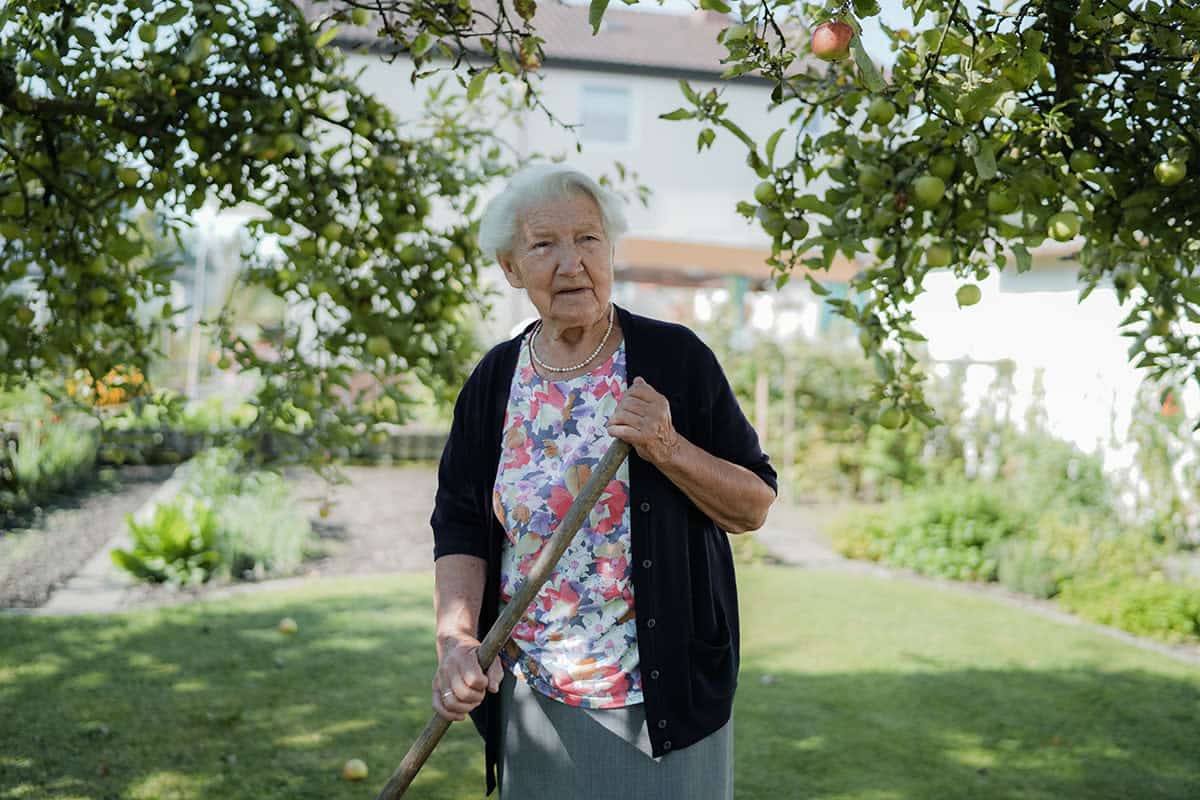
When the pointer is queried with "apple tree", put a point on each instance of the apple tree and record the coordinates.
(993, 130)
(110, 109)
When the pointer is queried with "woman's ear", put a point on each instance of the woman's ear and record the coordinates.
(510, 271)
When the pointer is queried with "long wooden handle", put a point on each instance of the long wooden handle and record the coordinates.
(585, 501)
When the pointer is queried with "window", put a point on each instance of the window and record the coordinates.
(606, 115)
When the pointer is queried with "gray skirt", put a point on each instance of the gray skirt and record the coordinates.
(550, 749)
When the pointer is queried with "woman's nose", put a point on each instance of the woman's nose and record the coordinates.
(570, 259)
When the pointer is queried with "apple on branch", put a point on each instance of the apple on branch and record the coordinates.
(831, 41)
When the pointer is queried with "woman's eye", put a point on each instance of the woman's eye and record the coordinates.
(539, 245)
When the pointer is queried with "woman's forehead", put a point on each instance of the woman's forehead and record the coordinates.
(576, 209)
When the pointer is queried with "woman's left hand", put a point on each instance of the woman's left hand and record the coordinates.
(643, 419)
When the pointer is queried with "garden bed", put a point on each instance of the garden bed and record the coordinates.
(378, 522)
(54, 541)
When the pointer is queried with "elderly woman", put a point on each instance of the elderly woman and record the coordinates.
(618, 682)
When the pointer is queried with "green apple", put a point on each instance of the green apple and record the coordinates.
(98, 296)
(1082, 161)
(360, 16)
(967, 295)
(942, 166)
(765, 193)
(891, 417)
(332, 231)
(1000, 201)
(938, 255)
(773, 222)
(928, 190)
(288, 625)
(24, 315)
(268, 44)
(128, 176)
(881, 111)
(379, 346)
(797, 229)
(148, 33)
(1170, 172)
(871, 179)
(1063, 226)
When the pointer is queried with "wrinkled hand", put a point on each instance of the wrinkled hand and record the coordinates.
(459, 674)
(643, 419)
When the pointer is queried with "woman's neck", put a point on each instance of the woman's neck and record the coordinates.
(569, 340)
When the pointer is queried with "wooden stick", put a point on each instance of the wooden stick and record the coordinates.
(585, 501)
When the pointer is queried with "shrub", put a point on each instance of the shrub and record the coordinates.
(256, 529)
(262, 530)
(1025, 566)
(178, 544)
(49, 449)
(952, 531)
(1145, 605)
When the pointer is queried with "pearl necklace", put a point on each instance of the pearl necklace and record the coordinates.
(581, 364)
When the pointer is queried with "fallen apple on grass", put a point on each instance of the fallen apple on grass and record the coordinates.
(354, 770)
(288, 625)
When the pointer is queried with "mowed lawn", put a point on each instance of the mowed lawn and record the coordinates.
(852, 687)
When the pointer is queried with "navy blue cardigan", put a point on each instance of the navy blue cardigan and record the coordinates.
(684, 591)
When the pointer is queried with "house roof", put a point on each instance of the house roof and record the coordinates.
(675, 44)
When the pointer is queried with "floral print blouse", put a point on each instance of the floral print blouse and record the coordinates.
(577, 643)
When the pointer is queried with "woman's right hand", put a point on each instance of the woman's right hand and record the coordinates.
(460, 683)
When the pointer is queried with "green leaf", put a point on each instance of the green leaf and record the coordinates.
(771, 142)
(689, 92)
(870, 73)
(679, 113)
(327, 37)
(706, 138)
(596, 14)
(817, 288)
(507, 62)
(1024, 258)
(172, 15)
(736, 131)
(715, 5)
(475, 88)
(421, 44)
(985, 161)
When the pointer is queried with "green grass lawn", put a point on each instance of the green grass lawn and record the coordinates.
(851, 687)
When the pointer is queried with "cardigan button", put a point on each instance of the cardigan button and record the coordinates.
(646, 564)
(662, 723)
(654, 674)
(667, 744)
(650, 623)
(645, 505)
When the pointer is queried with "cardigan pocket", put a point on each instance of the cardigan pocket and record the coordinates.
(712, 675)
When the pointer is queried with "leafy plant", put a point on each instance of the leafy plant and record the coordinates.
(952, 531)
(178, 544)
(49, 448)
(1146, 605)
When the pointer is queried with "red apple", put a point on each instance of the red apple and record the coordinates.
(831, 41)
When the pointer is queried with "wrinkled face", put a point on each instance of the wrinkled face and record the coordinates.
(563, 259)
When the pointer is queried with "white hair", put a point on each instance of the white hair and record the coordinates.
(535, 185)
